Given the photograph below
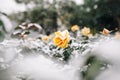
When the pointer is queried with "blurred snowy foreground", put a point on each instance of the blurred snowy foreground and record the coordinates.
(28, 65)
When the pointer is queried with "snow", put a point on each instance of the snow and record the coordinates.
(109, 51)
(7, 23)
(17, 64)
(10, 6)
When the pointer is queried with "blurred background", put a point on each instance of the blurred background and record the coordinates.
(55, 15)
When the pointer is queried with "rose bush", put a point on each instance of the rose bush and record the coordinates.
(74, 49)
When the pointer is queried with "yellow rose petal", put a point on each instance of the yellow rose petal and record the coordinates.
(45, 38)
(105, 31)
(61, 39)
(85, 31)
(117, 35)
(75, 28)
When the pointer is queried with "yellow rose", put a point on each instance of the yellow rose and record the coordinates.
(117, 35)
(90, 35)
(85, 31)
(61, 39)
(105, 31)
(51, 36)
(75, 28)
(45, 38)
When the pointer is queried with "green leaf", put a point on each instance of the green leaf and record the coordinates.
(1, 23)
(67, 53)
(93, 69)
(2, 36)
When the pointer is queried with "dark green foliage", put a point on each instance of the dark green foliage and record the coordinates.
(45, 17)
(2, 36)
(67, 53)
(105, 14)
(1, 23)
